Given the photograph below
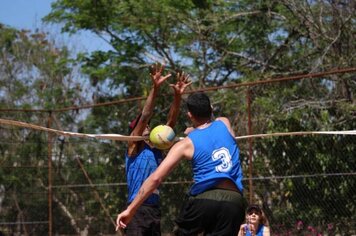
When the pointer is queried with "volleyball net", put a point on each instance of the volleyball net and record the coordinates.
(304, 180)
(63, 171)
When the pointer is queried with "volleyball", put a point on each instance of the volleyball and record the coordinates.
(162, 137)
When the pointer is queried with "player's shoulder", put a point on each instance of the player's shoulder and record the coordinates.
(227, 123)
(184, 148)
(185, 142)
(225, 120)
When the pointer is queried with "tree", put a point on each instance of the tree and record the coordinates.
(223, 42)
(35, 74)
(218, 42)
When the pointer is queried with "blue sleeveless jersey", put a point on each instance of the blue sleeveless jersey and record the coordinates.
(216, 156)
(258, 233)
(138, 168)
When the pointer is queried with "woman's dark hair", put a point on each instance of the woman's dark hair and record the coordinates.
(198, 105)
(255, 208)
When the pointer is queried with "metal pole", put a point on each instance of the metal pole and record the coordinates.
(49, 135)
(250, 165)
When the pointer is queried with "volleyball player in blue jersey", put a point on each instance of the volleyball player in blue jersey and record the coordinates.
(215, 205)
(142, 159)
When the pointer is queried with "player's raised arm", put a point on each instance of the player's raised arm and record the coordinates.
(179, 87)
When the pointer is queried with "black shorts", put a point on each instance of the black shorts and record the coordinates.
(146, 222)
(215, 212)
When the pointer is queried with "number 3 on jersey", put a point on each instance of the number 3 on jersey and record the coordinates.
(224, 155)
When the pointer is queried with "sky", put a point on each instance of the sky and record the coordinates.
(27, 14)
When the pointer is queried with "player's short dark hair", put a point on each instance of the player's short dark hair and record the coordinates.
(198, 105)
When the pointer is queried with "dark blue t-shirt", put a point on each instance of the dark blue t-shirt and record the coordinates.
(138, 169)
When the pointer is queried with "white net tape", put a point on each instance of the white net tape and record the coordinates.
(119, 137)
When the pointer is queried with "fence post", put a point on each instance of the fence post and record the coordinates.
(49, 135)
(250, 166)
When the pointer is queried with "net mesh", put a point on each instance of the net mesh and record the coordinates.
(305, 183)
(75, 185)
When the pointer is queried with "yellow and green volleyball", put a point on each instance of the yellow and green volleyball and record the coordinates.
(162, 137)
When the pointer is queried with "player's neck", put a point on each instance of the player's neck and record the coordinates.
(203, 124)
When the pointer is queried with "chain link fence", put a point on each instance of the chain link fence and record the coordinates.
(306, 184)
(303, 190)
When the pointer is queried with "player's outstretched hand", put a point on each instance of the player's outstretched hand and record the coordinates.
(156, 73)
(182, 83)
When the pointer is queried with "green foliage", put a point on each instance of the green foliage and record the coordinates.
(223, 42)
(34, 71)
(218, 43)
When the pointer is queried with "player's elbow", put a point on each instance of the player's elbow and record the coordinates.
(156, 180)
